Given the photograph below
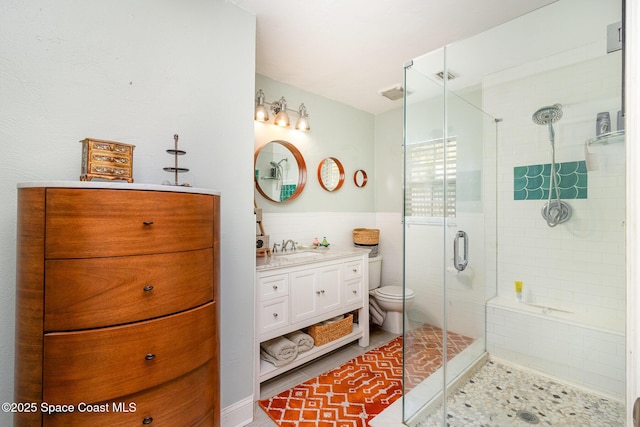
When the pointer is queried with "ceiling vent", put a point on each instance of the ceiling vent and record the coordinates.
(450, 75)
(393, 93)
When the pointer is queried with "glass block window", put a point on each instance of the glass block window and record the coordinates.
(430, 186)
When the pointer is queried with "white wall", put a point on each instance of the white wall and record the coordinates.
(388, 184)
(578, 265)
(135, 72)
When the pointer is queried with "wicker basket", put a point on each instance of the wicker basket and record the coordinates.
(323, 334)
(366, 236)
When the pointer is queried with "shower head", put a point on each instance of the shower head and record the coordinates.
(547, 115)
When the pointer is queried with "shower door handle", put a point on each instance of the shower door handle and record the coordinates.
(460, 263)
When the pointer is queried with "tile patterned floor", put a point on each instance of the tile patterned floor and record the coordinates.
(499, 395)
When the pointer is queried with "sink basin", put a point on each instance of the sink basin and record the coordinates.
(297, 254)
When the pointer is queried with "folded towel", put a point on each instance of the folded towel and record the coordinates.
(279, 350)
(300, 339)
(376, 313)
(276, 362)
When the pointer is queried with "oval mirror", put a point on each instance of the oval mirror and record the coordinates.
(280, 171)
(330, 174)
(360, 178)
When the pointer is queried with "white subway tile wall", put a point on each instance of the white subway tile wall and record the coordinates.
(578, 265)
(577, 354)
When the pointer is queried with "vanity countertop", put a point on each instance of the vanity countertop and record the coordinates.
(305, 256)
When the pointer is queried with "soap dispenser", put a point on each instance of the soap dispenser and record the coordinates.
(315, 242)
(324, 242)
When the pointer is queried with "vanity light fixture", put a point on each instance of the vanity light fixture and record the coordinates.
(279, 109)
(303, 121)
(261, 114)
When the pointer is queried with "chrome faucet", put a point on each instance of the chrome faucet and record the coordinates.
(284, 245)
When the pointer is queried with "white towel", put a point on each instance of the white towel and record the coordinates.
(376, 313)
(278, 351)
(302, 340)
(591, 159)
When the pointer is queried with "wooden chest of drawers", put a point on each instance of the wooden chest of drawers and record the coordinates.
(117, 307)
(106, 159)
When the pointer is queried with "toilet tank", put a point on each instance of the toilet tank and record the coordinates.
(375, 266)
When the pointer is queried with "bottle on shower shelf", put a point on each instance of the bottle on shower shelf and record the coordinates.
(518, 289)
(603, 123)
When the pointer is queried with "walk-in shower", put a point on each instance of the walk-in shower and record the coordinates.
(554, 211)
(476, 160)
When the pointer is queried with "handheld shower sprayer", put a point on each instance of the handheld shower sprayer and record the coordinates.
(548, 116)
(554, 211)
(277, 171)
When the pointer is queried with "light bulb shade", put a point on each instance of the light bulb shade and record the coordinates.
(282, 118)
(303, 121)
(261, 114)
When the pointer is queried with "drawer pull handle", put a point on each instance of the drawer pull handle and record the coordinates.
(150, 356)
(355, 270)
(354, 292)
(275, 314)
(147, 420)
(275, 287)
(147, 222)
(320, 292)
(147, 288)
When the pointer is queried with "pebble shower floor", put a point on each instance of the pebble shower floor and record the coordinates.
(498, 395)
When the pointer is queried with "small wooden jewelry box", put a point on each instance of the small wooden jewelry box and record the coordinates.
(106, 159)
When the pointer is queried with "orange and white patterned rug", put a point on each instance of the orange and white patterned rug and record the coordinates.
(357, 391)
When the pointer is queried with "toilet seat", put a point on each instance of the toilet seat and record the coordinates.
(393, 292)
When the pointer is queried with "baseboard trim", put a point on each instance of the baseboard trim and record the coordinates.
(238, 414)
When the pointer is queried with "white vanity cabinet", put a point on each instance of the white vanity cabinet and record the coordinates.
(355, 288)
(315, 291)
(273, 305)
(294, 293)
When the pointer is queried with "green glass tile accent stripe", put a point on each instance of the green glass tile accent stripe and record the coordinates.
(532, 182)
(286, 191)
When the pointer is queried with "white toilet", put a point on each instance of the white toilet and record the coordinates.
(389, 298)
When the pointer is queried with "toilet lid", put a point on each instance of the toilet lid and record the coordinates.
(393, 292)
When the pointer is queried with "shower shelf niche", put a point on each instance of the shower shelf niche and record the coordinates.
(608, 138)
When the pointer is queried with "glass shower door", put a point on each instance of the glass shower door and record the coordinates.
(449, 259)
(470, 231)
